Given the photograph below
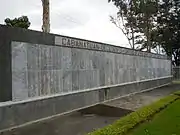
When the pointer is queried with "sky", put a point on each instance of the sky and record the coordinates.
(88, 19)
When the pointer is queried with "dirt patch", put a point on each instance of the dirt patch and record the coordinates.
(105, 110)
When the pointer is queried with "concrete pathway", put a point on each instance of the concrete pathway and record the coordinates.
(136, 101)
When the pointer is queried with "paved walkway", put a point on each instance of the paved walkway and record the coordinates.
(136, 101)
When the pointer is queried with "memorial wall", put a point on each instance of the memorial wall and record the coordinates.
(74, 65)
(47, 75)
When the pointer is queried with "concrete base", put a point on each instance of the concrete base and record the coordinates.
(14, 114)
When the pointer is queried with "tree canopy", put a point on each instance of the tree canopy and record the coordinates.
(21, 22)
(168, 29)
(150, 24)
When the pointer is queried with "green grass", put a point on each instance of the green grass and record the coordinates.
(167, 122)
(176, 82)
(177, 93)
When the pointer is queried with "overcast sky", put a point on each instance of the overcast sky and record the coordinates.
(87, 19)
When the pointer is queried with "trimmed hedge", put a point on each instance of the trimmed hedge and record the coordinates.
(128, 122)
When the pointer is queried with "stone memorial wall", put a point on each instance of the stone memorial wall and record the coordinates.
(73, 65)
(46, 75)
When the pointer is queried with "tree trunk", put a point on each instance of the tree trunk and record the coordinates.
(46, 16)
(133, 41)
(148, 36)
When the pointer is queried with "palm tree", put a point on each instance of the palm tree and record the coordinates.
(46, 16)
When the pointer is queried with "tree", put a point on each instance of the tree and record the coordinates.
(126, 21)
(136, 20)
(21, 22)
(46, 16)
(157, 22)
(146, 16)
(167, 32)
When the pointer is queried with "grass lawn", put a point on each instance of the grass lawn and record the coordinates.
(176, 82)
(167, 122)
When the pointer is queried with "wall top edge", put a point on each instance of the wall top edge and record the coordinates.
(37, 37)
(98, 46)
